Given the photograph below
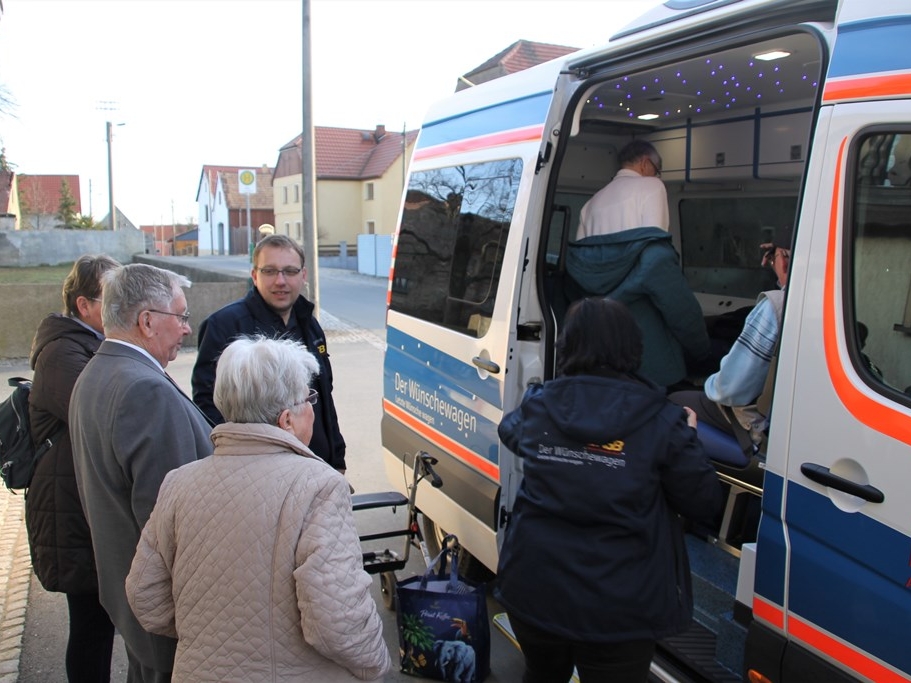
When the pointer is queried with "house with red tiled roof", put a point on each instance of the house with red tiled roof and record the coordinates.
(162, 237)
(519, 56)
(223, 224)
(360, 175)
(39, 199)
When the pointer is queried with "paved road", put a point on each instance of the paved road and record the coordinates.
(33, 623)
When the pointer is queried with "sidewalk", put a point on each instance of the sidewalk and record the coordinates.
(16, 571)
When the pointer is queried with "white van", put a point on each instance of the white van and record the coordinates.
(769, 115)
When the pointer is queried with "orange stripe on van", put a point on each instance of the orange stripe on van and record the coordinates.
(867, 88)
(769, 612)
(868, 411)
(528, 134)
(471, 458)
(803, 631)
(870, 668)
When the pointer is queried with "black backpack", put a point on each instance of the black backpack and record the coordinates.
(18, 455)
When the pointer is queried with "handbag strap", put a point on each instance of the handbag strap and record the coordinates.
(451, 551)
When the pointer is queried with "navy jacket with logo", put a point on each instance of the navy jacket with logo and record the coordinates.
(251, 316)
(609, 464)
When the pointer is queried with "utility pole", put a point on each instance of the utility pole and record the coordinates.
(308, 166)
(111, 106)
(110, 136)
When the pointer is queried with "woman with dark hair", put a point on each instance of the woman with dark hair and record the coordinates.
(58, 534)
(593, 570)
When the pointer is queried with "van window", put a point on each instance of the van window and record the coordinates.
(880, 208)
(720, 238)
(450, 244)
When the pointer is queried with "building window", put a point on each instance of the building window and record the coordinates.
(371, 227)
(451, 242)
(298, 233)
(288, 229)
(285, 194)
(368, 192)
(297, 194)
(879, 205)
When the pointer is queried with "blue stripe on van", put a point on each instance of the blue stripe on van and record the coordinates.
(518, 113)
(431, 386)
(460, 373)
(772, 554)
(874, 46)
(849, 571)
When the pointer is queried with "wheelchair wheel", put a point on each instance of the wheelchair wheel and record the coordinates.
(387, 588)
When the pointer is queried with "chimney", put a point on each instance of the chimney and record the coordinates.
(380, 132)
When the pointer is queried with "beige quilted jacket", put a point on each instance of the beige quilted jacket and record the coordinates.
(251, 559)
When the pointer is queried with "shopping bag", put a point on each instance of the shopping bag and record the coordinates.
(444, 632)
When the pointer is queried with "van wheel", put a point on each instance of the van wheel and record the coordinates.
(470, 567)
(387, 588)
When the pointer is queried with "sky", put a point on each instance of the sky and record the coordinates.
(188, 83)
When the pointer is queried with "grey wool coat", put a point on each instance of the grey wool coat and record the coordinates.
(130, 425)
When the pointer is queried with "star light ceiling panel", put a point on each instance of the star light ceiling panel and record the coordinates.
(770, 75)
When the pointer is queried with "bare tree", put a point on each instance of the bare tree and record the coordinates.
(7, 102)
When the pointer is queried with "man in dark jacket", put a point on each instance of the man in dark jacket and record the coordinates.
(274, 307)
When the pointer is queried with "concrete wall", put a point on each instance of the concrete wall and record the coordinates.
(23, 307)
(21, 248)
(191, 271)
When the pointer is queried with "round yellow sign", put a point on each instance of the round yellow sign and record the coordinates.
(247, 177)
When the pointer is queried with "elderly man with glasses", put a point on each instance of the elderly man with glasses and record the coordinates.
(635, 198)
(623, 250)
(130, 425)
(274, 307)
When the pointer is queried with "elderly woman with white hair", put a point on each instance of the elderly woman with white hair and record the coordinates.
(250, 557)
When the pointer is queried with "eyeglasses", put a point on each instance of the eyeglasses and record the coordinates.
(289, 272)
(775, 253)
(312, 398)
(657, 167)
(184, 317)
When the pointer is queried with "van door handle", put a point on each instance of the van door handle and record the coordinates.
(485, 364)
(822, 475)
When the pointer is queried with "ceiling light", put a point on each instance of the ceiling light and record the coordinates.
(773, 55)
(647, 117)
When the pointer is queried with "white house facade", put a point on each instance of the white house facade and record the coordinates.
(214, 229)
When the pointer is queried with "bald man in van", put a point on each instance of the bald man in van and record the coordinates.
(623, 251)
